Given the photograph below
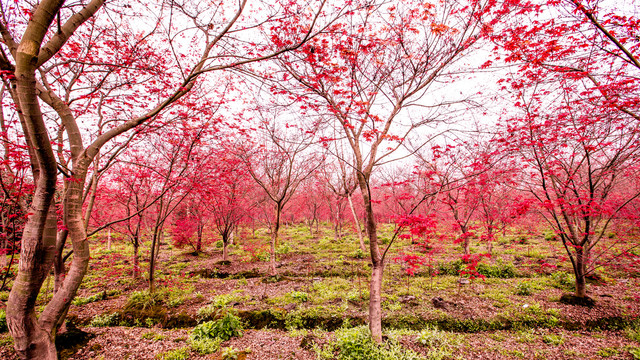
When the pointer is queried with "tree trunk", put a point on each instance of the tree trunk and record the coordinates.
(375, 301)
(58, 263)
(136, 258)
(109, 240)
(225, 243)
(199, 240)
(274, 240)
(31, 339)
(363, 247)
(580, 272)
(152, 261)
(377, 264)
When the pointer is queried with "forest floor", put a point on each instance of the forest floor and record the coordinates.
(321, 292)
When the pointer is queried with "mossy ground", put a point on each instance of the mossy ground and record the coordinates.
(322, 286)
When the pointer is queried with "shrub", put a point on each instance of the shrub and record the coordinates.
(524, 288)
(300, 296)
(105, 320)
(635, 352)
(208, 312)
(143, 299)
(356, 344)
(225, 328)
(437, 341)
(358, 254)
(499, 270)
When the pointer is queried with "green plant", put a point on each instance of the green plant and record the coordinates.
(143, 300)
(635, 352)
(79, 301)
(562, 280)
(206, 346)
(3, 321)
(177, 354)
(300, 296)
(550, 236)
(219, 244)
(208, 312)
(524, 288)
(608, 352)
(527, 336)
(105, 320)
(224, 328)
(498, 270)
(437, 341)
(6, 340)
(283, 249)
(553, 339)
(356, 344)
(358, 254)
(633, 332)
(231, 353)
(151, 335)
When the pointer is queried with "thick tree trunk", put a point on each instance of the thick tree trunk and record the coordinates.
(31, 339)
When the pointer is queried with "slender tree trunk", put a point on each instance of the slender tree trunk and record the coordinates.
(136, 258)
(580, 273)
(377, 264)
(274, 239)
(155, 251)
(375, 301)
(199, 240)
(225, 243)
(363, 247)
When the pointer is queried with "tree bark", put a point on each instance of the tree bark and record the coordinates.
(377, 264)
(579, 269)
(375, 301)
(225, 243)
(274, 240)
(136, 258)
(363, 247)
